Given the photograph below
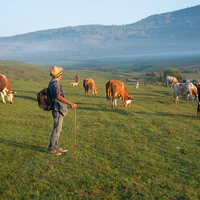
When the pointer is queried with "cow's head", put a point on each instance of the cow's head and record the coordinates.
(10, 96)
(128, 101)
(95, 91)
(197, 85)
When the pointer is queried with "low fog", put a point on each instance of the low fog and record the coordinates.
(62, 50)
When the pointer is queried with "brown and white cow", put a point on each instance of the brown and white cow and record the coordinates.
(171, 80)
(117, 89)
(5, 88)
(88, 85)
(198, 89)
(185, 89)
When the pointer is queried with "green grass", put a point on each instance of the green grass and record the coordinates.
(121, 153)
(140, 66)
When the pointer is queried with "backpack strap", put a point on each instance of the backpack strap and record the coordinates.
(49, 87)
(52, 83)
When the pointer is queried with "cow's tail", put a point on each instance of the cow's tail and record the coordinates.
(108, 90)
(84, 83)
(108, 93)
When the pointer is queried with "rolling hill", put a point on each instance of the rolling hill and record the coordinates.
(157, 35)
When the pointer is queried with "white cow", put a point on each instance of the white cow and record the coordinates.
(185, 89)
(171, 80)
(5, 89)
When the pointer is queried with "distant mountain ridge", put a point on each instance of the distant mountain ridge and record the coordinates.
(173, 31)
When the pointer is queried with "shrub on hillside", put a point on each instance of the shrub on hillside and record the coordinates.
(153, 74)
(183, 70)
(173, 72)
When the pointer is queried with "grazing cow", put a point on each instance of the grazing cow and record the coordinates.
(5, 88)
(88, 85)
(137, 85)
(116, 89)
(75, 84)
(185, 89)
(171, 80)
(194, 80)
(185, 81)
(198, 89)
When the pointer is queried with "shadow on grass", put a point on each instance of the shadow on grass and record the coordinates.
(22, 145)
(159, 94)
(27, 97)
(167, 114)
(117, 110)
(94, 96)
(18, 91)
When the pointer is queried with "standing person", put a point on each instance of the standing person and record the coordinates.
(76, 78)
(59, 110)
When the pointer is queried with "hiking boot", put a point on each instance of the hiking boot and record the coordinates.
(61, 149)
(54, 152)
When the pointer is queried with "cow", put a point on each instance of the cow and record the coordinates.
(5, 89)
(74, 84)
(185, 81)
(185, 89)
(88, 85)
(198, 89)
(194, 80)
(117, 89)
(171, 80)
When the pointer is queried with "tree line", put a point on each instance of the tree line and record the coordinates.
(162, 74)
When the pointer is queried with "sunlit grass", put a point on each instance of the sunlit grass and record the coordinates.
(121, 153)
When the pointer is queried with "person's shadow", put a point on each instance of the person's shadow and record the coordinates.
(22, 145)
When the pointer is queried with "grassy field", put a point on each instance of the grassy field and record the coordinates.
(150, 150)
(141, 66)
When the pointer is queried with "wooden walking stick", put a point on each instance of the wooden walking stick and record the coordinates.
(74, 129)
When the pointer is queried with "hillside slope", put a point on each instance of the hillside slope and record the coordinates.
(176, 31)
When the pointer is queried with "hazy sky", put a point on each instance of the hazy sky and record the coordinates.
(24, 16)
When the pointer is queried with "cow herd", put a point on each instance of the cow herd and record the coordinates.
(186, 88)
(116, 89)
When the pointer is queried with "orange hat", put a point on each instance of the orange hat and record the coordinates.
(56, 71)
